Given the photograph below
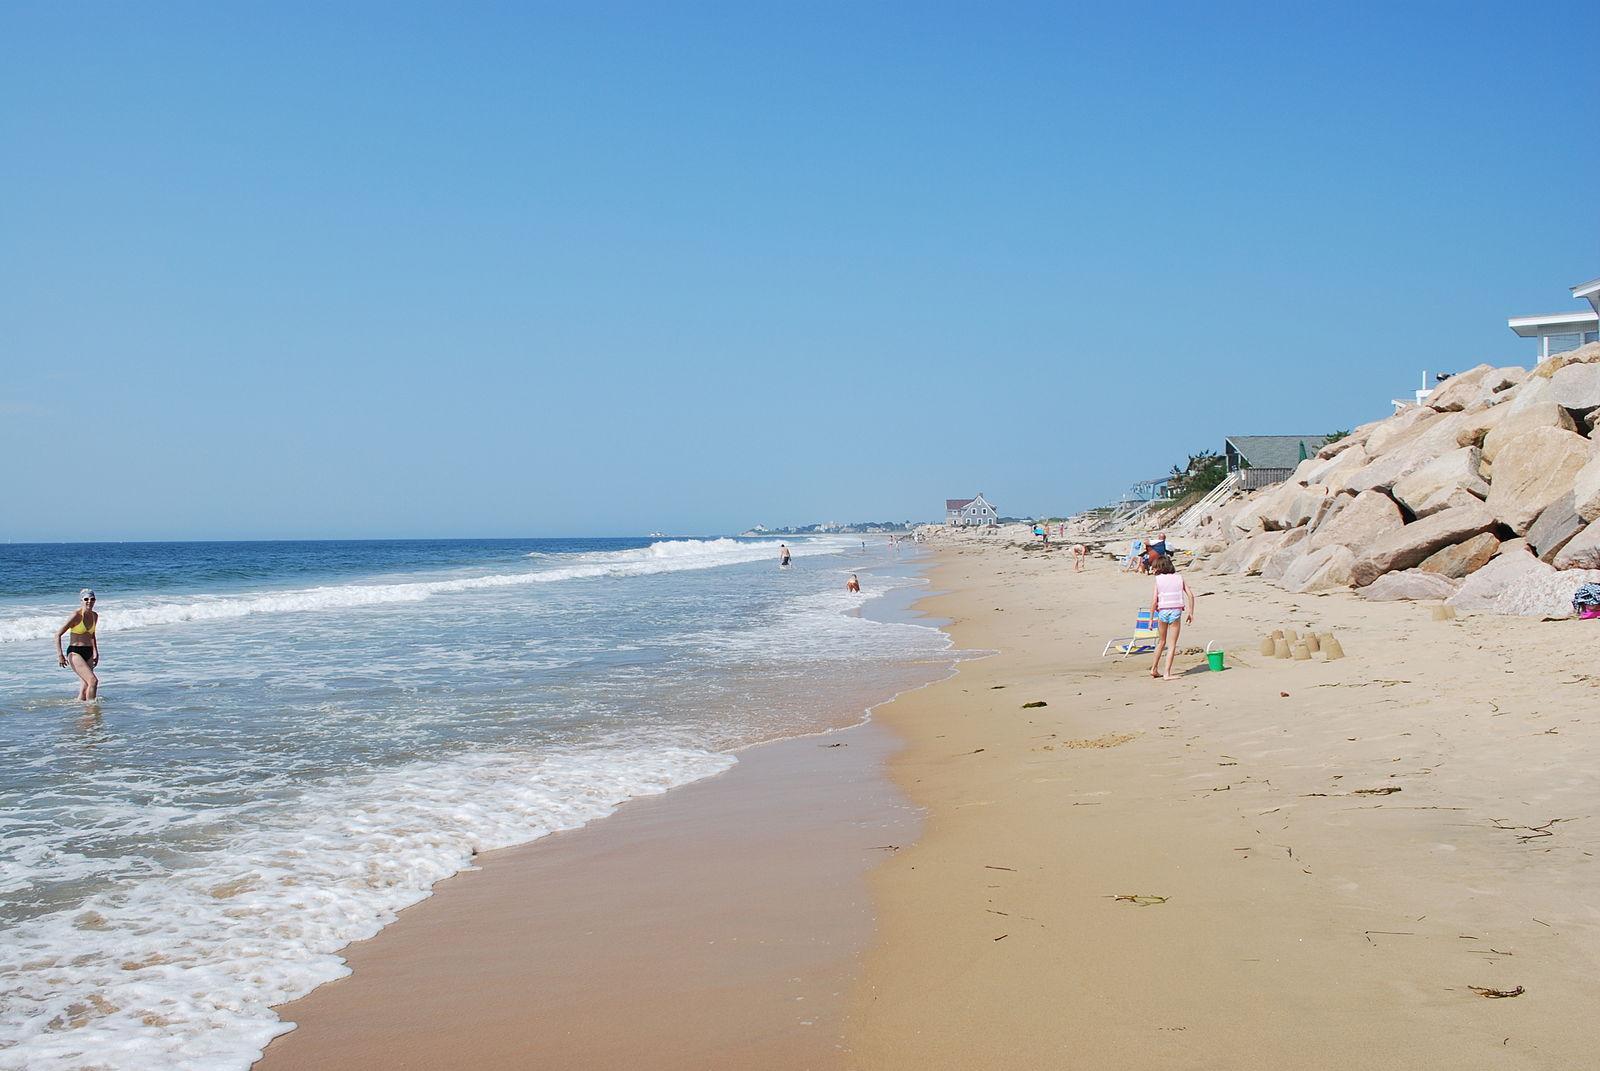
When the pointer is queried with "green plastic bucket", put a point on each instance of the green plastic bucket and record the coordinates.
(1215, 658)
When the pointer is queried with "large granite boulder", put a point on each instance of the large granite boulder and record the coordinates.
(1532, 392)
(1410, 584)
(1263, 546)
(1582, 550)
(1404, 425)
(1366, 518)
(1428, 489)
(1464, 558)
(1327, 569)
(1256, 545)
(1577, 386)
(1460, 390)
(1326, 510)
(1411, 545)
(1357, 437)
(1333, 472)
(1553, 528)
(1288, 550)
(1476, 386)
(1586, 489)
(1521, 585)
(1533, 471)
(1292, 507)
(1518, 422)
(1477, 423)
(1267, 509)
(1384, 472)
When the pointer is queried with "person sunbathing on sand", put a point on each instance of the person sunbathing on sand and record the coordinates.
(1172, 597)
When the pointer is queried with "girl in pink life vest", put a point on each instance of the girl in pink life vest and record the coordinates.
(1171, 600)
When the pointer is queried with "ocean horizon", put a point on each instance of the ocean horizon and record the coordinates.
(297, 739)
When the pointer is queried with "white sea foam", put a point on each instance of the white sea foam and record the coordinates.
(181, 971)
(664, 557)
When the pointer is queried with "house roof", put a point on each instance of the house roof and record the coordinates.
(1583, 290)
(958, 503)
(1275, 451)
(1530, 326)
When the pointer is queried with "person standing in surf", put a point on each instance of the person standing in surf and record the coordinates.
(83, 649)
(783, 555)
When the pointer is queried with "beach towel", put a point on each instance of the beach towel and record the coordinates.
(1586, 601)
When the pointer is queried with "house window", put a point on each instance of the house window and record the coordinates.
(1567, 340)
(1591, 336)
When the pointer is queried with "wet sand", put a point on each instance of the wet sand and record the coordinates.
(719, 925)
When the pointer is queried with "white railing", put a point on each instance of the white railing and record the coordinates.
(1214, 498)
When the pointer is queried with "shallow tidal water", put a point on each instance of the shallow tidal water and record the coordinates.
(296, 740)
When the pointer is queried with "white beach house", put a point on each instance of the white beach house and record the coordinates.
(1558, 332)
(964, 511)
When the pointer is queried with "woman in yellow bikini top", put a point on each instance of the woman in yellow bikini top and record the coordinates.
(83, 649)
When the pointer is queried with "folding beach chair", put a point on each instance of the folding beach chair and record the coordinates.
(1143, 640)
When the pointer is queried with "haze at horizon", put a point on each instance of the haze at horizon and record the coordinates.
(498, 271)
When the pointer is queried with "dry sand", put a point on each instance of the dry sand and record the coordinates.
(1345, 848)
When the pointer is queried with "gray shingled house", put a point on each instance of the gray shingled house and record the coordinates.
(1268, 459)
(968, 511)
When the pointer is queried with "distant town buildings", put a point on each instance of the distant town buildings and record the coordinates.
(966, 511)
(1559, 332)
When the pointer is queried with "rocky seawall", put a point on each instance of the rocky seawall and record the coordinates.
(1486, 496)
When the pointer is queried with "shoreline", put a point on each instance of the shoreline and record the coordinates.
(757, 927)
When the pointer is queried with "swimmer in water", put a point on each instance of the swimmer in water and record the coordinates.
(783, 554)
(83, 649)
(852, 585)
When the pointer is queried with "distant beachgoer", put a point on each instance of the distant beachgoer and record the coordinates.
(1135, 553)
(83, 649)
(1171, 599)
(1079, 554)
(1159, 545)
(852, 585)
(783, 554)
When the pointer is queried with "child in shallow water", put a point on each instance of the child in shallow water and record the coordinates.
(1168, 605)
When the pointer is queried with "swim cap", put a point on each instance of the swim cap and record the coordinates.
(86, 593)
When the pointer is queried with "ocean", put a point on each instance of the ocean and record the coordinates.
(295, 740)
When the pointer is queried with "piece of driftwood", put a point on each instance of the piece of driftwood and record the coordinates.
(1484, 991)
(1142, 899)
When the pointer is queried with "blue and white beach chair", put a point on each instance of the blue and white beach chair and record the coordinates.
(1143, 640)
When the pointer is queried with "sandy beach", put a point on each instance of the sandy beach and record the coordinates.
(1341, 850)
(1286, 864)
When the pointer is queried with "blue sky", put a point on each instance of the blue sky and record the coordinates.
(315, 270)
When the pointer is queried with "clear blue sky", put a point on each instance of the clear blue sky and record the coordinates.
(382, 269)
